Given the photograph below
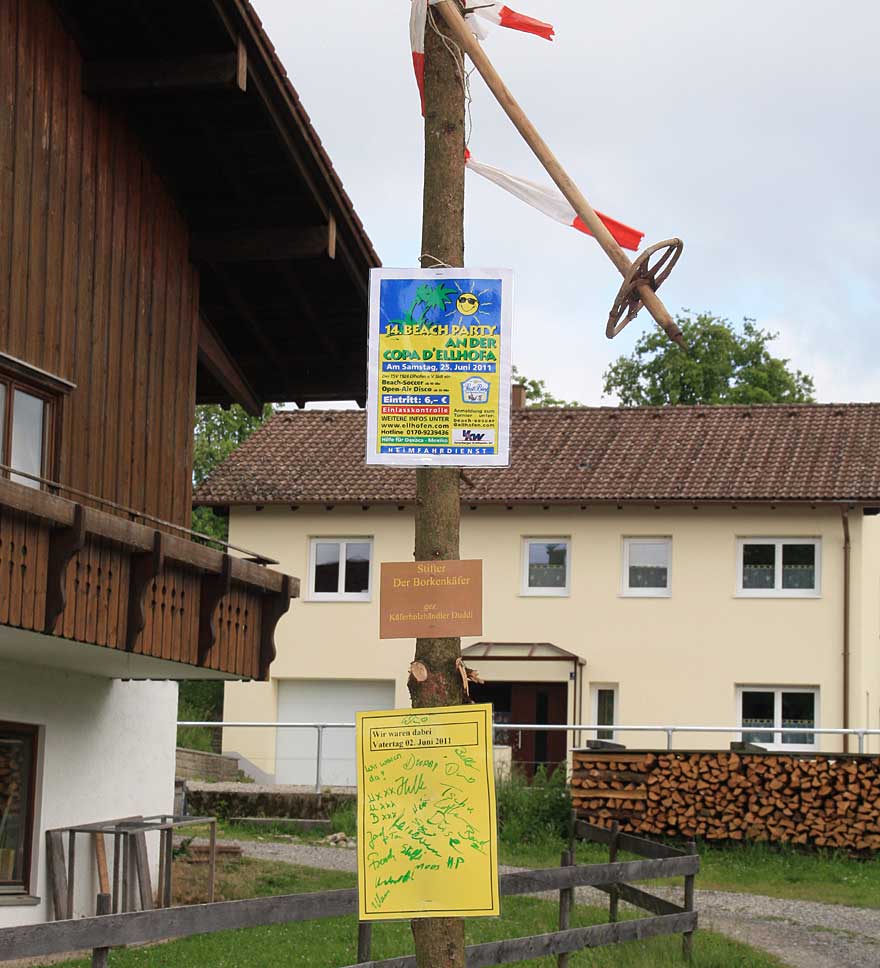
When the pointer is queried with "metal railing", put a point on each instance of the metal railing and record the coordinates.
(9, 472)
(668, 731)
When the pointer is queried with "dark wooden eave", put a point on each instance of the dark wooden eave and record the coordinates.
(283, 257)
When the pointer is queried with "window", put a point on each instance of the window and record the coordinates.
(17, 761)
(545, 566)
(779, 567)
(604, 708)
(765, 707)
(25, 429)
(646, 567)
(339, 569)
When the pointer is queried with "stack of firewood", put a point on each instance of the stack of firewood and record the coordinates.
(821, 800)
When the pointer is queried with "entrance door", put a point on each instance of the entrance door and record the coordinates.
(528, 702)
(539, 702)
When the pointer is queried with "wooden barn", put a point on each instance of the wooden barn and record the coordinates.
(171, 232)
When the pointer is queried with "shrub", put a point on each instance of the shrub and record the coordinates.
(196, 706)
(344, 819)
(530, 811)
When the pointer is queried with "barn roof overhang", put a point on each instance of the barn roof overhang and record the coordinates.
(283, 257)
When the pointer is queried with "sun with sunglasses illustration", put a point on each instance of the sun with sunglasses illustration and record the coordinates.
(467, 304)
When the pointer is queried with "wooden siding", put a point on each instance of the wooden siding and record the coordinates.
(95, 282)
(24, 555)
(97, 582)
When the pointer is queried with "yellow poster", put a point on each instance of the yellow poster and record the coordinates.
(427, 839)
(439, 367)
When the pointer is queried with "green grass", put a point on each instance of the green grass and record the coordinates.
(332, 942)
(343, 819)
(329, 944)
(831, 877)
(828, 876)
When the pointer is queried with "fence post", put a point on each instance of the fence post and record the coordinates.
(365, 940)
(71, 871)
(566, 902)
(614, 893)
(212, 862)
(167, 887)
(318, 758)
(100, 956)
(117, 865)
(687, 940)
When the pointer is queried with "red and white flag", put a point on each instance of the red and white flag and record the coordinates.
(502, 15)
(497, 13)
(552, 202)
(418, 19)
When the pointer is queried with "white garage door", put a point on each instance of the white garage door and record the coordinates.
(323, 701)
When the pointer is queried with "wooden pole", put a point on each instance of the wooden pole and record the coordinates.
(614, 892)
(71, 872)
(212, 862)
(101, 956)
(364, 941)
(439, 942)
(451, 12)
(687, 939)
(566, 903)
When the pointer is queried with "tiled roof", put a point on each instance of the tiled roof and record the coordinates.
(804, 452)
(311, 133)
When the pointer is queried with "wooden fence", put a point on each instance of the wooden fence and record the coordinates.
(119, 930)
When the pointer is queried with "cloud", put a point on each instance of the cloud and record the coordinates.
(751, 135)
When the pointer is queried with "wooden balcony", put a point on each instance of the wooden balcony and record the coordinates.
(161, 605)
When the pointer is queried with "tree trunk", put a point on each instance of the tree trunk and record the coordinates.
(440, 941)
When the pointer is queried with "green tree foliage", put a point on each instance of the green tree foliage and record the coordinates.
(217, 433)
(722, 365)
(537, 394)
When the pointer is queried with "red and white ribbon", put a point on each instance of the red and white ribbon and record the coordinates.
(499, 14)
(545, 199)
(496, 13)
(418, 19)
(552, 202)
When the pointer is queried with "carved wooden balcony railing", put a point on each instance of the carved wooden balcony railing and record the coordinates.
(79, 573)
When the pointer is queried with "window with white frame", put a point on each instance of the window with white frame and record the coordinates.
(763, 708)
(546, 566)
(339, 569)
(647, 567)
(604, 696)
(779, 567)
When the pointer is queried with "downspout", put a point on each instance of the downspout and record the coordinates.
(847, 554)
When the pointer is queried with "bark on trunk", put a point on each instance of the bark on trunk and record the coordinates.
(439, 942)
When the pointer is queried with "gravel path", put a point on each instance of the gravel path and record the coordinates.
(309, 855)
(802, 934)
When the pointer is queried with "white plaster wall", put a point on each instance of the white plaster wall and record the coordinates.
(677, 659)
(865, 708)
(106, 750)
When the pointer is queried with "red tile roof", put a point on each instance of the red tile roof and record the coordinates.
(804, 452)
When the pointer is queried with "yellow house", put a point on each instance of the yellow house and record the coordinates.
(702, 566)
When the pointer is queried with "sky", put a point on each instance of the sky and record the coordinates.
(748, 130)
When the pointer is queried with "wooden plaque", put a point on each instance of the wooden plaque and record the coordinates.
(430, 599)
